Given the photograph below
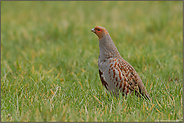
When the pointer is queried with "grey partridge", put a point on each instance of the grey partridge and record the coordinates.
(116, 74)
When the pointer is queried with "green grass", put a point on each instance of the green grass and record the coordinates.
(49, 68)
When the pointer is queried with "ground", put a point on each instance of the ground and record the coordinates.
(49, 60)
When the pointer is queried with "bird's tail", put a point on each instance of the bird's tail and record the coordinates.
(143, 93)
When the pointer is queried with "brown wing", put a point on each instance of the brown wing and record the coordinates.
(133, 79)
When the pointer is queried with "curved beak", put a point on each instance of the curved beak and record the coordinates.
(93, 30)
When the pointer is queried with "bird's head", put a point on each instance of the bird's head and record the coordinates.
(100, 31)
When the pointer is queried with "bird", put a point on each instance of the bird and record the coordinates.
(116, 74)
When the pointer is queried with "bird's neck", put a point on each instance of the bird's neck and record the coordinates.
(107, 48)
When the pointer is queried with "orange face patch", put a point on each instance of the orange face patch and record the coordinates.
(98, 28)
(100, 31)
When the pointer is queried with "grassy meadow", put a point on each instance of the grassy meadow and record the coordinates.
(49, 60)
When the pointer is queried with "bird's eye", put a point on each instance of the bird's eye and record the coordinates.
(98, 29)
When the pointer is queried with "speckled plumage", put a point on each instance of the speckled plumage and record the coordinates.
(115, 73)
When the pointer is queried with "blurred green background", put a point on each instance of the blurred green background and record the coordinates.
(49, 69)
